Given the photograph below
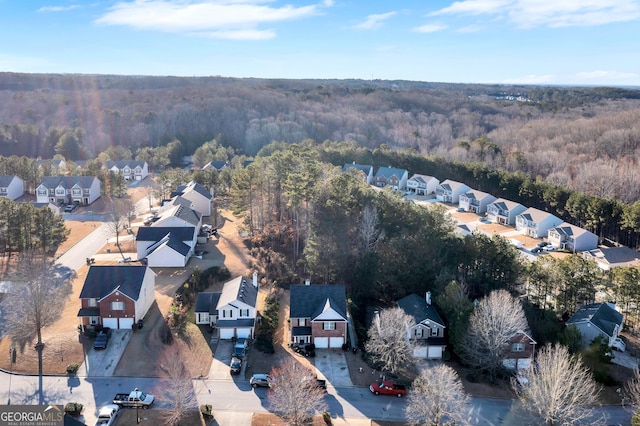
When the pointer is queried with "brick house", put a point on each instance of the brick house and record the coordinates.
(318, 315)
(519, 351)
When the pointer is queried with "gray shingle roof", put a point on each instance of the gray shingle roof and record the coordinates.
(601, 315)
(390, 171)
(151, 233)
(67, 182)
(5, 180)
(103, 279)
(239, 288)
(366, 169)
(417, 307)
(207, 302)
(307, 301)
(121, 164)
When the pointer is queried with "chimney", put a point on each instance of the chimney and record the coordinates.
(255, 279)
(428, 298)
(307, 282)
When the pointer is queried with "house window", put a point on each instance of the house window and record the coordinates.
(93, 320)
(117, 306)
(302, 322)
(434, 331)
(517, 347)
(93, 303)
(329, 325)
(42, 192)
(418, 332)
(244, 313)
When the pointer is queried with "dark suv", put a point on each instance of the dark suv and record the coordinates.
(102, 339)
(308, 350)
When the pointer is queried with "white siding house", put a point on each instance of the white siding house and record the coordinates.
(11, 186)
(536, 223)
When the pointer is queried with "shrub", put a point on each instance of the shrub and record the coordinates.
(207, 411)
(72, 368)
(326, 416)
(74, 409)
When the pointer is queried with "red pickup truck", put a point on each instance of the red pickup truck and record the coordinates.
(387, 387)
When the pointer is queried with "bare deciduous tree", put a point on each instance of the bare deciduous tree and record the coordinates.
(35, 302)
(294, 394)
(118, 220)
(492, 323)
(631, 390)
(388, 343)
(437, 398)
(176, 388)
(370, 231)
(560, 390)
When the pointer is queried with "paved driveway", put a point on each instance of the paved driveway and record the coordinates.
(220, 366)
(103, 362)
(331, 365)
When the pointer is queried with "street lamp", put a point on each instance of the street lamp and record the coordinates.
(137, 406)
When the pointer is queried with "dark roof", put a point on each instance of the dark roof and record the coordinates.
(390, 171)
(67, 182)
(188, 214)
(302, 331)
(241, 289)
(207, 302)
(89, 312)
(156, 233)
(418, 308)
(216, 164)
(306, 301)
(103, 279)
(195, 186)
(121, 164)
(243, 322)
(176, 244)
(366, 169)
(5, 180)
(602, 315)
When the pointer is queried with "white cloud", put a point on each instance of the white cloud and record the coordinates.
(600, 75)
(531, 79)
(430, 28)
(233, 19)
(470, 29)
(374, 21)
(551, 13)
(57, 8)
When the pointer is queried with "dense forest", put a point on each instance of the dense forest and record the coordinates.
(586, 139)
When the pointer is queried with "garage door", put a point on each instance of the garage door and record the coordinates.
(226, 333)
(110, 322)
(126, 323)
(321, 342)
(243, 332)
(420, 352)
(435, 352)
(336, 342)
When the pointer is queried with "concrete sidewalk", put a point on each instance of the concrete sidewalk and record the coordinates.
(233, 418)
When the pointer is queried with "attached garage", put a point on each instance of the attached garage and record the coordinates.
(336, 342)
(126, 323)
(321, 342)
(226, 333)
(110, 322)
(243, 333)
(428, 352)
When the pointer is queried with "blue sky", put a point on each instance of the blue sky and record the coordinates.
(576, 42)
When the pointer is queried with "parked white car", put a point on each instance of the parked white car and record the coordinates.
(107, 415)
(618, 344)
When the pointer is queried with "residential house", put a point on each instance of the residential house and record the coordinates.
(130, 169)
(233, 311)
(52, 166)
(536, 223)
(504, 211)
(199, 196)
(55, 208)
(218, 165)
(608, 258)
(390, 176)
(68, 189)
(450, 191)
(11, 186)
(422, 184)
(169, 247)
(597, 319)
(318, 315)
(364, 169)
(177, 213)
(116, 296)
(427, 329)
(571, 237)
(475, 201)
(519, 351)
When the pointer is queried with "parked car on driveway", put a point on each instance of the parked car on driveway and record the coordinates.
(107, 415)
(235, 365)
(619, 345)
(240, 348)
(102, 339)
(387, 387)
(262, 380)
(308, 350)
